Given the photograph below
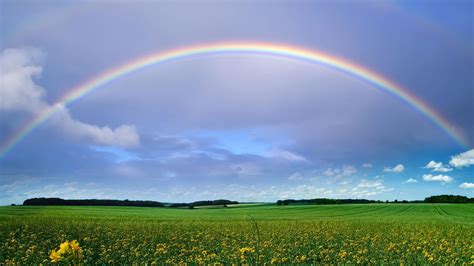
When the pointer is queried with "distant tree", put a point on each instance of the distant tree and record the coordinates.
(448, 199)
(324, 201)
(179, 205)
(92, 202)
(218, 202)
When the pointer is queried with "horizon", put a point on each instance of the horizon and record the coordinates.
(253, 103)
(241, 202)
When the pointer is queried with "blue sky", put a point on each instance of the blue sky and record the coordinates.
(245, 127)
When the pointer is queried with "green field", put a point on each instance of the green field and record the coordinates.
(375, 233)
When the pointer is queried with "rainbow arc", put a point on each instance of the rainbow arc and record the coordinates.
(313, 56)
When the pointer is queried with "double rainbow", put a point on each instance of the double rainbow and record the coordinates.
(312, 56)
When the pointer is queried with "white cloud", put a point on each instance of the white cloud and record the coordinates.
(439, 178)
(286, 155)
(369, 184)
(348, 170)
(367, 165)
(123, 135)
(411, 180)
(19, 190)
(368, 188)
(345, 182)
(19, 92)
(397, 169)
(345, 171)
(295, 176)
(466, 185)
(438, 167)
(464, 159)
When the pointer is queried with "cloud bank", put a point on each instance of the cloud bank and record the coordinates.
(20, 93)
(466, 185)
(464, 159)
(437, 167)
(437, 178)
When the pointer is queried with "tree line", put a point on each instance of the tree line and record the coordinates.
(448, 199)
(92, 202)
(134, 203)
(220, 202)
(223, 202)
(325, 201)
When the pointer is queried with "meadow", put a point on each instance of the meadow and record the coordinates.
(317, 234)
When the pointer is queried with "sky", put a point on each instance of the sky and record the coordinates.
(242, 126)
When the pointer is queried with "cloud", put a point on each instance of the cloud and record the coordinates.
(295, 176)
(123, 135)
(438, 178)
(410, 181)
(331, 172)
(368, 188)
(285, 155)
(367, 165)
(437, 167)
(397, 169)
(17, 191)
(466, 185)
(464, 159)
(19, 92)
(345, 171)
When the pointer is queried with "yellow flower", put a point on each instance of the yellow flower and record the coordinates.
(67, 251)
(64, 248)
(55, 257)
(64, 245)
(74, 245)
(342, 254)
(247, 250)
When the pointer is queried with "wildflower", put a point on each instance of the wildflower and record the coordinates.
(68, 252)
(342, 254)
(64, 247)
(54, 256)
(74, 245)
(247, 250)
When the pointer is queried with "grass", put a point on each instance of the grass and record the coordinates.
(365, 233)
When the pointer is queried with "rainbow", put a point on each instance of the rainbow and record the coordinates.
(292, 52)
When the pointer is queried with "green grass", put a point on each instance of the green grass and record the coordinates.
(362, 233)
(404, 212)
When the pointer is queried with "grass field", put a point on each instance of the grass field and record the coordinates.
(376, 233)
